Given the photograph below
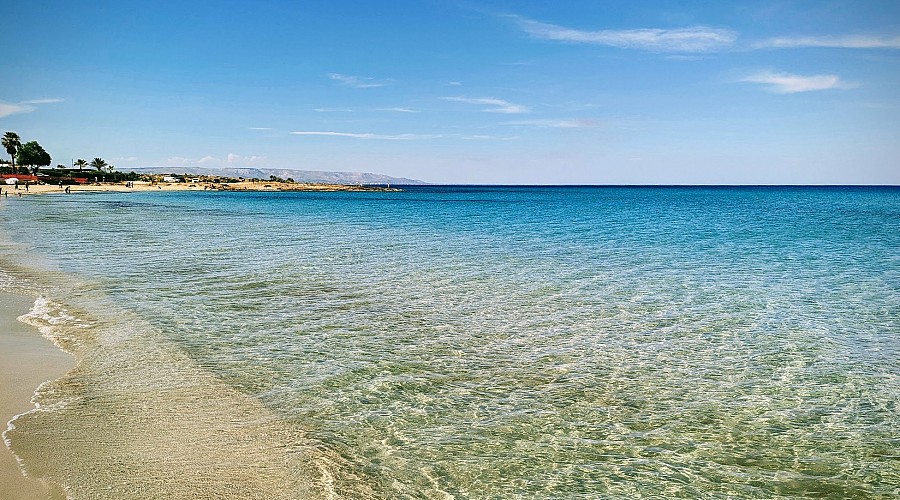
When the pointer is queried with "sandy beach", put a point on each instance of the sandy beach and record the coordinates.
(262, 186)
(26, 360)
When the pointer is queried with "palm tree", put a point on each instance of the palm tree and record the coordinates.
(99, 164)
(12, 143)
(80, 164)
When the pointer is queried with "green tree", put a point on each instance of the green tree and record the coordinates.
(31, 154)
(99, 164)
(12, 143)
(80, 164)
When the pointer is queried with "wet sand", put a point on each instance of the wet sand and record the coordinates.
(26, 360)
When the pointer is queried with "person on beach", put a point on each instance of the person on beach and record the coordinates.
(68, 189)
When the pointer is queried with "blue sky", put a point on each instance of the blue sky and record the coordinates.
(524, 92)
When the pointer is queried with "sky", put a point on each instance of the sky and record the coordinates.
(489, 92)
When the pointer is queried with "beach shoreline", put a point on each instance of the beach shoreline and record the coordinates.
(139, 186)
(27, 360)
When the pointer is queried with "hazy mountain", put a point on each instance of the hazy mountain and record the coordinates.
(314, 176)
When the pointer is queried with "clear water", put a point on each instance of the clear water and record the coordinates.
(466, 342)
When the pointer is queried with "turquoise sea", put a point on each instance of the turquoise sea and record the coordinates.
(465, 342)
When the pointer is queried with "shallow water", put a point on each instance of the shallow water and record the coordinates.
(467, 342)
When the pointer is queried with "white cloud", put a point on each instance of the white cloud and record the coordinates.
(488, 137)
(359, 82)
(784, 83)
(336, 134)
(332, 110)
(572, 123)
(397, 137)
(839, 41)
(693, 39)
(213, 161)
(7, 109)
(43, 101)
(178, 161)
(496, 105)
(232, 159)
(259, 128)
(398, 110)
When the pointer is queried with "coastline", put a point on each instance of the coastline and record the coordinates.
(255, 186)
(26, 360)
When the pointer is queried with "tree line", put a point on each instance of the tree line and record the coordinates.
(32, 156)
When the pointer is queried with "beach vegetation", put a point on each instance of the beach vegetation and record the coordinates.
(31, 154)
(275, 178)
(76, 176)
(80, 163)
(99, 164)
(12, 143)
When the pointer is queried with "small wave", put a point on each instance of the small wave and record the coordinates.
(6, 280)
(43, 311)
(54, 322)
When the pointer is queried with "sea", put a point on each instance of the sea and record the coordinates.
(464, 342)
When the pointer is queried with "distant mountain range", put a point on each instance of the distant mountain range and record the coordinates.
(312, 176)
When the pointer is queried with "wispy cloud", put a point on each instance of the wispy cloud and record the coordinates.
(572, 123)
(692, 39)
(43, 101)
(494, 105)
(359, 82)
(332, 110)
(483, 137)
(178, 161)
(784, 83)
(838, 41)
(259, 128)
(234, 159)
(7, 108)
(398, 110)
(230, 160)
(384, 137)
